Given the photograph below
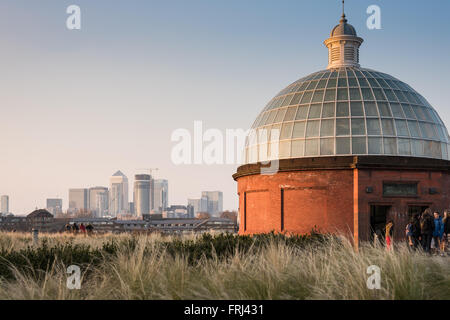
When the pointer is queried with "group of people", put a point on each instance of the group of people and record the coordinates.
(426, 229)
(83, 229)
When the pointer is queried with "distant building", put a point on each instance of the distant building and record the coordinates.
(198, 205)
(176, 211)
(152, 193)
(231, 215)
(142, 194)
(190, 211)
(118, 194)
(98, 201)
(131, 207)
(4, 206)
(78, 200)
(54, 206)
(41, 220)
(194, 204)
(161, 195)
(45, 222)
(202, 215)
(215, 202)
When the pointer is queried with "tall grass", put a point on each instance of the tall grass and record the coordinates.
(148, 267)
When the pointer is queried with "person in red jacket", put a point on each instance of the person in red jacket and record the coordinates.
(83, 229)
(389, 234)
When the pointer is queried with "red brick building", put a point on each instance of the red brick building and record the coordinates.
(351, 148)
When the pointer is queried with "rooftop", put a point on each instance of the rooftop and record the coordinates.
(347, 110)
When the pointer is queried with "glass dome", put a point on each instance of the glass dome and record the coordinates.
(347, 111)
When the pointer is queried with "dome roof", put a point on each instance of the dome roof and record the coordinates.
(343, 29)
(347, 111)
(41, 213)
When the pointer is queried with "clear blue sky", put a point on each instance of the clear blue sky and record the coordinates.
(76, 106)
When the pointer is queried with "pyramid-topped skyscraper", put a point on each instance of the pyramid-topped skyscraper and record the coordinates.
(118, 194)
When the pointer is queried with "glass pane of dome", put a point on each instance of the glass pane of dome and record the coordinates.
(349, 111)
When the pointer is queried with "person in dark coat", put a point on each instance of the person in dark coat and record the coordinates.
(426, 230)
(416, 231)
(75, 228)
(89, 229)
(446, 222)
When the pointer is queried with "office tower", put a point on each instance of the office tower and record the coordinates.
(195, 205)
(198, 205)
(131, 208)
(161, 195)
(4, 207)
(54, 206)
(78, 200)
(118, 194)
(98, 201)
(142, 197)
(215, 202)
(190, 211)
(152, 193)
(203, 204)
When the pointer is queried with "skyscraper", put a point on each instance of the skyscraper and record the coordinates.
(54, 206)
(215, 202)
(161, 195)
(4, 208)
(142, 194)
(152, 193)
(118, 194)
(199, 205)
(78, 200)
(98, 201)
(131, 208)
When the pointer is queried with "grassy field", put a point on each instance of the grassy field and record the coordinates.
(214, 267)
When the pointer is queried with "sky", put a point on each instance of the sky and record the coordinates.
(78, 105)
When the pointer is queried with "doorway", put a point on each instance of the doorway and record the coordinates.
(378, 219)
(416, 210)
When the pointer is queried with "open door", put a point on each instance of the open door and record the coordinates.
(378, 219)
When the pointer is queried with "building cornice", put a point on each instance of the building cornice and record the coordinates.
(347, 163)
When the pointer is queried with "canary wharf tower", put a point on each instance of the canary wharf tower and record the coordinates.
(355, 147)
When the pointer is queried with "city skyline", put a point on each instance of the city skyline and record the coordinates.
(103, 98)
(95, 200)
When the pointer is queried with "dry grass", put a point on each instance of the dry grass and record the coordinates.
(332, 271)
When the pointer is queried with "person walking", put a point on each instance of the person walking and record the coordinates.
(438, 232)
(445, 238)
(75, 228)
(416, 231)
(410, 233)
(83, 228)
(389, 232)
(426, 230)
(89, 229)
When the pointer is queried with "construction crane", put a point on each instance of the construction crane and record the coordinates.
(149, 170)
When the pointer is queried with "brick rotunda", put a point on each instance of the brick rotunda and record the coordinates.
(351, 147)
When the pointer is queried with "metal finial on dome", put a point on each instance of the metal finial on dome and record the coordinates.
(343, 19)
